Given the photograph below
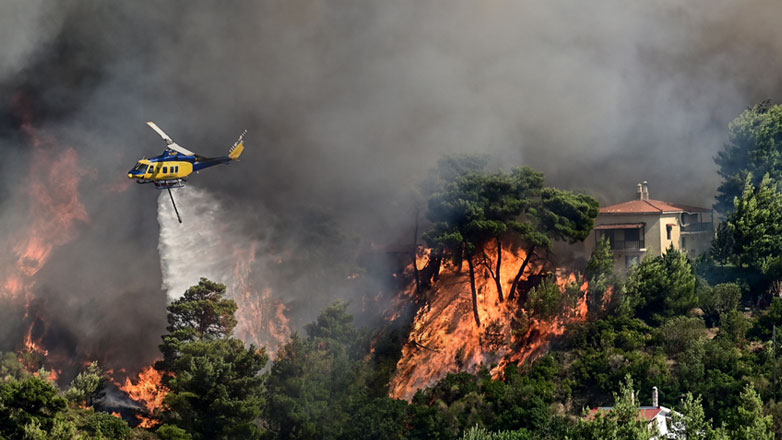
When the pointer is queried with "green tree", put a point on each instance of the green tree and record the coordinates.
(31, 402)
(478, 433)
(723, 245)
(216, 390)
(662, 286)
(105, 426)
(601, 262)
(215, 383)
(601, 276)
(171, 432)
(320, 385)
(619, 423)
(722, 299)
(202, 313)
(764, 325)
(680, 332)
(751, 424)
(87, 386)
(756, 228)
(690, 422)
(754, 149)
(557, 215)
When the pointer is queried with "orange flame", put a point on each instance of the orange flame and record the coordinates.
(444, 338)
(149, 391)
(54, 209)
(261, 317)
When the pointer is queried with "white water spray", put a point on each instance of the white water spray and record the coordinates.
(195, 248)
(207, 244)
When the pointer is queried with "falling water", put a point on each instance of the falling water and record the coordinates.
(207, 244)
(196, 247)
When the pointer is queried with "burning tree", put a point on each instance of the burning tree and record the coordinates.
(214, 381)
(474, 209)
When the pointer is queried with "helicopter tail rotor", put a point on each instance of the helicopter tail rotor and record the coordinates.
(238, 147)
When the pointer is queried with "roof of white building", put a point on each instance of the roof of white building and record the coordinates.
(649, 207)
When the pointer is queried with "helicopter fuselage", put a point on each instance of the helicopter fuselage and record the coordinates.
(171, 166)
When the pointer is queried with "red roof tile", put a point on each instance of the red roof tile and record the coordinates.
(648, 413)
(644, 413)
(649, 207)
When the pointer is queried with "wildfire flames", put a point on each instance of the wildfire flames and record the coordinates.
(444, 338)
(149, 391)
(54, 209)
(261, 317)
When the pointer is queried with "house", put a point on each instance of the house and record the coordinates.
(644, 226)
(659, 417)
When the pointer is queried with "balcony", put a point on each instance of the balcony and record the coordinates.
(627, 245)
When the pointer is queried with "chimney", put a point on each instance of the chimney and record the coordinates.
(655, 398)
(645, 192)
(640, 192)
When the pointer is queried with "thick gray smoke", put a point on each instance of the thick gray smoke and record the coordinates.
(348, 105)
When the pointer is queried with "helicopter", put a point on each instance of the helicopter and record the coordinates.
(171, 168)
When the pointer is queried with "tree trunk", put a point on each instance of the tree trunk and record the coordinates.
(474, 292)
(516, 280)
(497, 278)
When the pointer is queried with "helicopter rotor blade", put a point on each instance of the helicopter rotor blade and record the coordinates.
(170, 142)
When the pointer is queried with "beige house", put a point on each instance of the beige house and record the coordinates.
(644, 227)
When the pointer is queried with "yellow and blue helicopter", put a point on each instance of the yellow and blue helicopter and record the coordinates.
(171, 169)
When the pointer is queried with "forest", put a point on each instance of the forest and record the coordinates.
(703, 330)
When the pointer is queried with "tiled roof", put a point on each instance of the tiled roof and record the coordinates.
(644, 413)
(649, 207)
(649, 413)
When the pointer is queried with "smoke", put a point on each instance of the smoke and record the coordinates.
(348, 105)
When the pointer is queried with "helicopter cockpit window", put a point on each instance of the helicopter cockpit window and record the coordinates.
(139, 167)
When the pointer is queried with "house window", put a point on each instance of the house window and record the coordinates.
(668, 229)
(608, 235)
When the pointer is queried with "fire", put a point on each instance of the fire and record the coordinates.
(54, 209)
(444, 338)
(261, 317)
(149, 391)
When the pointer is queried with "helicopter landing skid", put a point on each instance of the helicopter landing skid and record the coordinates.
(167, 185)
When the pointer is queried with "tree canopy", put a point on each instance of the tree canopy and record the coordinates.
(475, 208)
(662, 286)
(754, 149)
(215, 383)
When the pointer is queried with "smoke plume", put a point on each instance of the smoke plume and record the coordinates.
(348, 105)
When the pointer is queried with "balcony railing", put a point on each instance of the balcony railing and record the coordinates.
(698, 227)
(627, 245)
